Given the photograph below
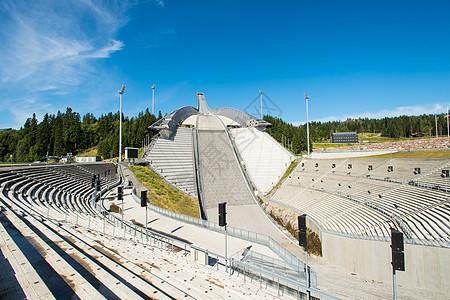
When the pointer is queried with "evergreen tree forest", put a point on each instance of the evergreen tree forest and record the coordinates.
(389, 127)
(68, 132)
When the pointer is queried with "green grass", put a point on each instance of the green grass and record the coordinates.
(164, 195)
(415, 154)
(330, 145)
(89, 152)
(286, 174)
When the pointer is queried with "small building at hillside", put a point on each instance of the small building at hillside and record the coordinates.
(87, 159)
(417, 134)
(344, 137)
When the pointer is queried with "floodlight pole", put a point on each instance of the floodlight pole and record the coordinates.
(261, 103)
(435, 120)
(448, 129)
(122, 90)
(153, 99)
(307, 121)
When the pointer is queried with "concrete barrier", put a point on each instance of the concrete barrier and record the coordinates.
(425, 266)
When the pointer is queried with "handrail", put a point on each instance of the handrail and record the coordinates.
(258, 238)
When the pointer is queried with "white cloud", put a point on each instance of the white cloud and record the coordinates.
(105, 51)
(50, 47)
(413, 110)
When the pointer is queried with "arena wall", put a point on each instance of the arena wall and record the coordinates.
(425, 267)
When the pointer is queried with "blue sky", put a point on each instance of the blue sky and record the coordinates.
(354, 58)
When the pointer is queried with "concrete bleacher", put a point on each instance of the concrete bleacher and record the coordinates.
(346, 195)
(173, 159)
(265, 159)
(75, 258)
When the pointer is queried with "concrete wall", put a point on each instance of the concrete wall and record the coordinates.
(84, 159)
(425, 267)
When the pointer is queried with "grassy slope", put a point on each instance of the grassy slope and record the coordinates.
(164, 195)
(416, 154)
(286, 174)
(89, 152)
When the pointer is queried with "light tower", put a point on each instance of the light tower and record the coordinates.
(448, 129)
(153, 99)
(435, 120)
(307, 121)
(122, 90)
(261, 103)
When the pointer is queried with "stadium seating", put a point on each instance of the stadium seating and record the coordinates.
(72, 257)
(172, 158)
(366, 197)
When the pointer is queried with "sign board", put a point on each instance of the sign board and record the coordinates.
(131, 153)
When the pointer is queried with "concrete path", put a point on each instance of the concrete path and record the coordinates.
(199, 236)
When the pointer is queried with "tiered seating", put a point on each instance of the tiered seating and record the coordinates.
(173, 159)
(98, 265)
(434, 179)
(265, 159)
(341, 197)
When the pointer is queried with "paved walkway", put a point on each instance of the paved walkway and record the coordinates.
(198, 236)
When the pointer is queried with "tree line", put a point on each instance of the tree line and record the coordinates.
(68, 132)
(391, 127)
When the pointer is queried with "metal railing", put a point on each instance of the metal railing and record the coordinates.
(259, 238)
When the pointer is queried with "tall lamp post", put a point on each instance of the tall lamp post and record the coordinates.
(261, 103)
(307, 121)
(448, 129)
(122, 90)
(435, 120)
(153, 99)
